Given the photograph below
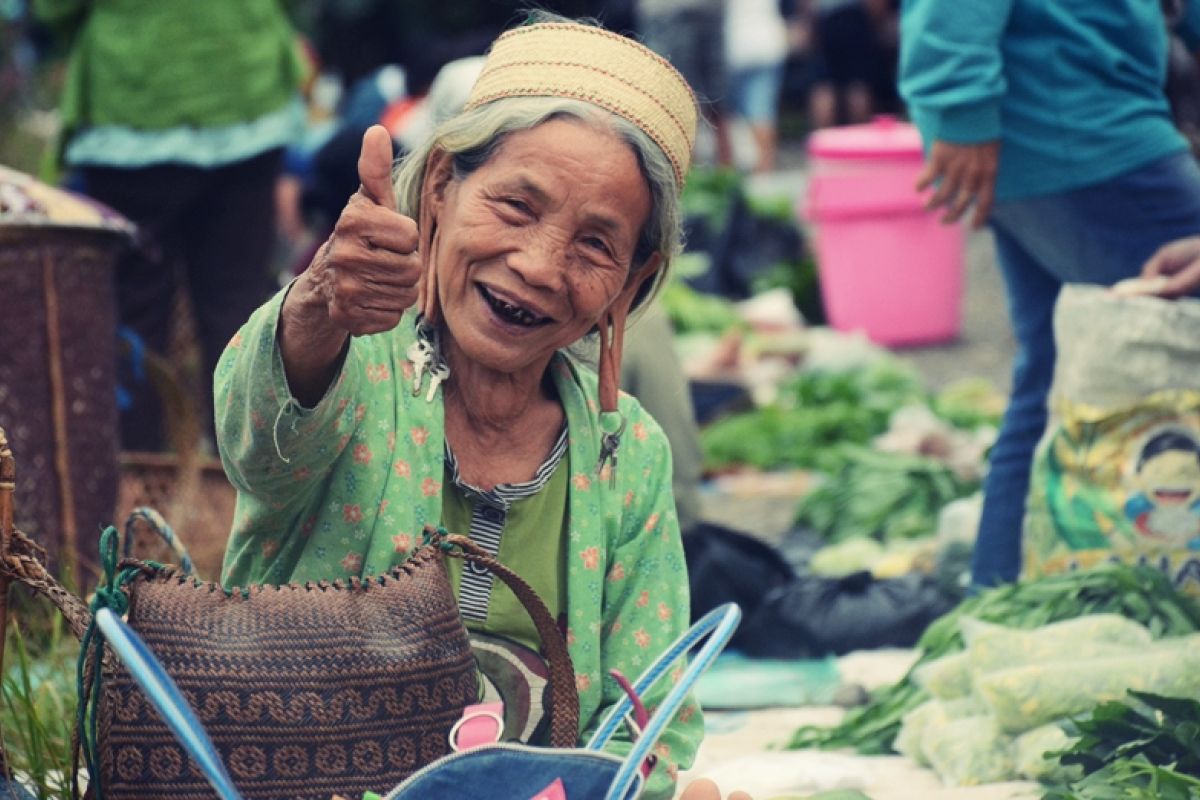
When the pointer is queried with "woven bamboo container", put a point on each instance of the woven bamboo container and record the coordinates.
(57, 364)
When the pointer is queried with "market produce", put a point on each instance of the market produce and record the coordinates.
(1146, 748)
(947, 678)
(1139, 593)
(970, 403)
(883, 496)
(992, 647)
(814, 412)
(893, 559)
(1045, 677)
(930, 716)
(1035, 754)
(969, 751)
(691, 311)
(1022, 698)
(777, 438)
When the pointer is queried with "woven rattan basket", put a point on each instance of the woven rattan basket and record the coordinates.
(57, 358)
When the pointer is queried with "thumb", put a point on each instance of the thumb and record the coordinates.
(375, 167)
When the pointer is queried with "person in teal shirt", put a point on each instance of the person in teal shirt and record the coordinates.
(1047, 121)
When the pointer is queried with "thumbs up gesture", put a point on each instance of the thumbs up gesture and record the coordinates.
(369, 268)
(360, 281)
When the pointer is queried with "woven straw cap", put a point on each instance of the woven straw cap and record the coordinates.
(606, 69)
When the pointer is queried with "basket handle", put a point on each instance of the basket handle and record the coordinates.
(710, 633)
(23, 560)
(564, 700)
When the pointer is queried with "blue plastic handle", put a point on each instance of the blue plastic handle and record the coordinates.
(714, 629)
(162, 692)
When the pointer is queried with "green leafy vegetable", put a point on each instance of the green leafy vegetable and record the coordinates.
(884, 496)
(1140, 593)
(815, 412)
(691, 311)
(1150, 745)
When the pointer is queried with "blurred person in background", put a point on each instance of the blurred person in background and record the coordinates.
(756, 46)
(175, 113)
(690, 34)
(848, 38)
(1050, 119)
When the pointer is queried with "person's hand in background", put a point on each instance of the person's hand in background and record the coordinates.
(1173, 271)
(704, 789)
(965, 174)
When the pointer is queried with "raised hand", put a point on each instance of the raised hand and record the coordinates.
(369, 268)
(705, 789)
(361, 280)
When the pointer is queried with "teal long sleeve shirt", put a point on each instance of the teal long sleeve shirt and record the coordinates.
(1073, 89)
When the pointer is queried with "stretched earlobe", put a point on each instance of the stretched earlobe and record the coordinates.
(439, 170)
(637, 279)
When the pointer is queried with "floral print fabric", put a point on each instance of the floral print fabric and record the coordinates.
(346, 489)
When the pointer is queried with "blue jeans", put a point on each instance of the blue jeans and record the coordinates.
(1098, 234)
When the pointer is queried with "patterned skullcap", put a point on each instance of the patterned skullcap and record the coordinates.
(583, 62)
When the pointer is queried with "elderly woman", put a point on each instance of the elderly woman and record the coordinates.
(415, 374)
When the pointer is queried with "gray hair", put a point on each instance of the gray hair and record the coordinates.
(473, 137)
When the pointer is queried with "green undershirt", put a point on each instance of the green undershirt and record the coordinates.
(525, 549)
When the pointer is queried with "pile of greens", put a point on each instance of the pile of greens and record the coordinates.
(1144, 750)
(709, 193)
(882, 496)
(1140, 593)
(691, 311)
(815, 412)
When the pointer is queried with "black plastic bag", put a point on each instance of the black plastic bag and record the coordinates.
(815, 615)
(798, 615)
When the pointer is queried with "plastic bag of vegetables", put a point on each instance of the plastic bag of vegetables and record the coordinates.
(947, 678)
(1022, 698)
(930, 716)
(991, 647)
(1030, 751)
(969, 751)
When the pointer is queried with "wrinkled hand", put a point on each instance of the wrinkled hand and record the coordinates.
(368, 271)
(1174, 270)
(964, 174)
(704, 789)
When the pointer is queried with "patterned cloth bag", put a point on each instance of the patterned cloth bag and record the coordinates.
(1117, 474)
(306, 690)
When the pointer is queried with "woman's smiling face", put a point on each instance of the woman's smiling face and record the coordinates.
(532, 247)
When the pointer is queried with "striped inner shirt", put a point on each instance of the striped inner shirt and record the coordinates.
(488, 515)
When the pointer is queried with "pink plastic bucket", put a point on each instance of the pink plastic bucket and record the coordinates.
(887, 266)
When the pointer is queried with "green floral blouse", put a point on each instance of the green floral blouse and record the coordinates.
(347, 487)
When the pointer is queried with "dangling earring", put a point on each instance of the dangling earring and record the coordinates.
(426, 352)
(612, 421)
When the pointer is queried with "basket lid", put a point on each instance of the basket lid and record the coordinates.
(27, 202)
(884, 137)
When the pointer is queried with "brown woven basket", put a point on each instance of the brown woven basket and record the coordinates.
(57, 384)
(307, 690)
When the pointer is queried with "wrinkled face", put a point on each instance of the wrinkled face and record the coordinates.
(535, 245)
